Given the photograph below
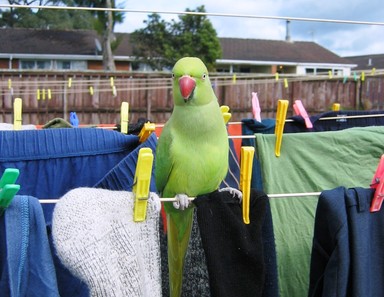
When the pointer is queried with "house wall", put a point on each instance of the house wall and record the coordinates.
(4, 64)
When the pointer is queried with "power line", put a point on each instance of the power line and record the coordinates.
(218, 14)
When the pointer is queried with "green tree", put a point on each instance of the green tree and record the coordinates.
(152, 42)
(103, 21)
(45, 18)
(194, 35)
(160, 44)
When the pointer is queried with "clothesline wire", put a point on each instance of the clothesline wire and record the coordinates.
(133, 84)
(339, 117)
(214, 14)
(283, 195)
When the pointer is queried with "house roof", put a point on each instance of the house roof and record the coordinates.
(367, 62)
(83, 42)
(278, 51)
(49, 42)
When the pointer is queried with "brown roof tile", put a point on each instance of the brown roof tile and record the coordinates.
(82, 42)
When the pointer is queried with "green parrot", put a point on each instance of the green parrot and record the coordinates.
(191, 157)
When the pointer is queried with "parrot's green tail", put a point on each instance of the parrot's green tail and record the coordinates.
(179, 227)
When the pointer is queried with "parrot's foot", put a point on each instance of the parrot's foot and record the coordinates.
(235, 192)
(182, 202)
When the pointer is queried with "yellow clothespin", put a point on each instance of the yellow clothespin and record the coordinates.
(114, 91)
(247, 153)
(330, 74)
(9, 83)
(285, 83)
(38, 94)
(17, 114)
(277, 76)
(141, 183)
(124, 111)
(336, 106)
(91, 90)
(226, 114)
(363, 76)
(147, 129)
(49, 94)
(373, 71)
(282, 108)
(234, 78)
(70, 82)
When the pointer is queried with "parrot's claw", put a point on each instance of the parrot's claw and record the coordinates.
(182, 202)
(235, 192)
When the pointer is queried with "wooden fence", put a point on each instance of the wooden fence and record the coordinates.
(96, 97)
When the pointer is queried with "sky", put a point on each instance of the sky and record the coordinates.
(342, 39)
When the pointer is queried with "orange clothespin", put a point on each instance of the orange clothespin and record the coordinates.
(256, 107)
(141, 183)
(226, 114)
(147, 129)
(336, 106)
(300, 110)
(124, 111)
(247, 153)
(281, 114)
(17, 114)
(378, 184)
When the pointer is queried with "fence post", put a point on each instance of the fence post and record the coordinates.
(65, 99)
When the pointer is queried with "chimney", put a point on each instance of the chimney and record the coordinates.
(288, 36)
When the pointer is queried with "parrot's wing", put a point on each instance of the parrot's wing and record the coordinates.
(163, 163)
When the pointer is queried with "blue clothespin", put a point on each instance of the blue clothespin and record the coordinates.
(8, 188)
(73, 119)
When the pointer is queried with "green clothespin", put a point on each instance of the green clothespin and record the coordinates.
(8, 188)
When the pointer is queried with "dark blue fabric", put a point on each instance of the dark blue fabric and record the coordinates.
(298, 124)
(120, 177)
(4, 277)
(251, 127)
(54, 161)
(347, 248)
(233, 176)
(29, 267)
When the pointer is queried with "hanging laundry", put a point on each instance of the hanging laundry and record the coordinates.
(97, 239)
(311, 162)
(240, 257)
(346, 258)
(336, 120)
(26, 265)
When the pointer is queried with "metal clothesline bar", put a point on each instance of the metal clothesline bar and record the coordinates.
(217, 14)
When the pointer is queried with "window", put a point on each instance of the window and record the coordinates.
(63, 64)
(53, 64)
(27, 64)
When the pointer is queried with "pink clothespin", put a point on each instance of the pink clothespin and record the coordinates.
(378, 184)
(300, 110)
(256, 107)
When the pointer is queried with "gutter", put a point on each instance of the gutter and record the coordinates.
(268, 63)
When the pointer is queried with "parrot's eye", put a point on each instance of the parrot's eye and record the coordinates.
(173, 75)
(204, 76)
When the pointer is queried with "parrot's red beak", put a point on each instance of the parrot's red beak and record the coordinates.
(187, 85)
